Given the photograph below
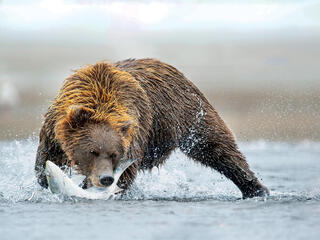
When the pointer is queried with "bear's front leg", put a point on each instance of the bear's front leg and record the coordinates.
(47, 150)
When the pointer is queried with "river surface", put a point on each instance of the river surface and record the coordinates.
(181, 200)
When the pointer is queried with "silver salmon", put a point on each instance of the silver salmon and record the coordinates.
(60, 183)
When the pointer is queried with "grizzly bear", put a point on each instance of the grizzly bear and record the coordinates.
(136, 109)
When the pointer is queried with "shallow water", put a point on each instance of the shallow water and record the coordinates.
(181, 200)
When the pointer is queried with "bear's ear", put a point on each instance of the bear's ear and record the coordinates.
(77, 116)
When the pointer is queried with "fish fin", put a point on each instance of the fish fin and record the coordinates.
(123, 165)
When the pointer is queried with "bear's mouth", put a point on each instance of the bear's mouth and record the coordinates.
(84, 179)
(89, 182)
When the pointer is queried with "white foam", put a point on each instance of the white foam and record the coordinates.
(180, 178)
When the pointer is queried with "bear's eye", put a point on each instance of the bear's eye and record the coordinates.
(94, 153)
(113, 155)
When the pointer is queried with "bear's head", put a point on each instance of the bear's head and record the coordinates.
(94, 145)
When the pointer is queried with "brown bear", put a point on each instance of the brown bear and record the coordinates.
(136, 109)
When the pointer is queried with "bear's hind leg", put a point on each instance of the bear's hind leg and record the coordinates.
(218, 150)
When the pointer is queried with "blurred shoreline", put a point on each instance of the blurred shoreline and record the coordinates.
(263, 90)
(273, 116)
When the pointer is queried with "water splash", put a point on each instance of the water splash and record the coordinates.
(180, 179)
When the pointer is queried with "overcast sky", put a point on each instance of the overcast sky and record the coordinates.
(159, 15)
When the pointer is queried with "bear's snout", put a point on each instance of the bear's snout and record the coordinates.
(106, 180)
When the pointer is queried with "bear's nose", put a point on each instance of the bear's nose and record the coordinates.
(106, 180)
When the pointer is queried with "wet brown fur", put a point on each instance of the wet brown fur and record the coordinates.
(165, 111)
